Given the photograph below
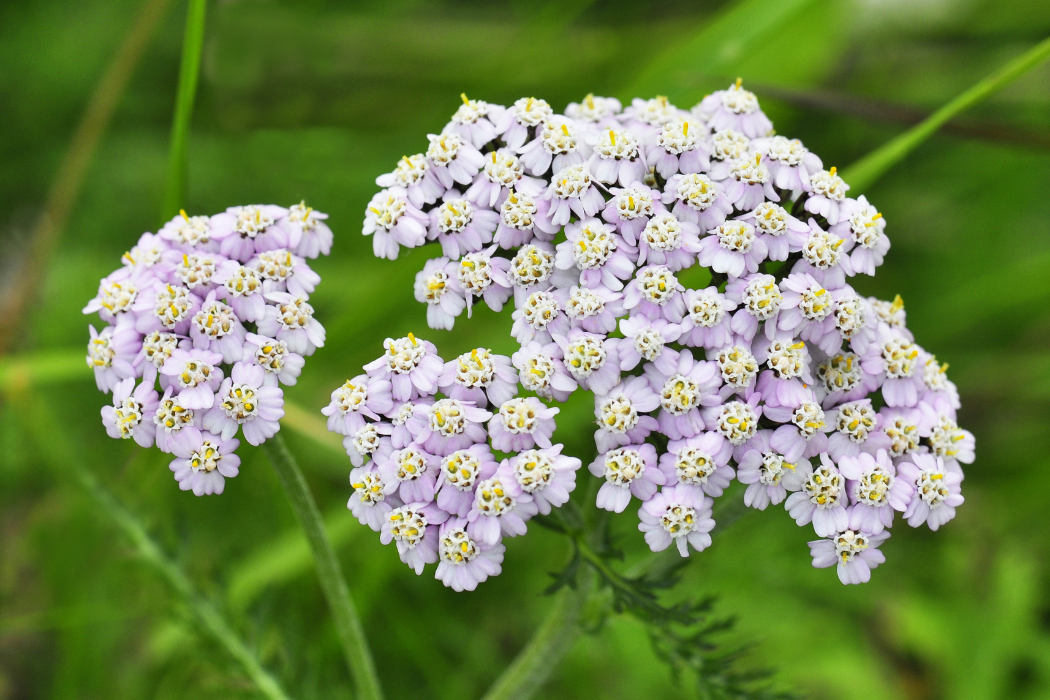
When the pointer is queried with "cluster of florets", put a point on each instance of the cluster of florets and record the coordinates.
(777, 373)
(448, 459)
(205, 320)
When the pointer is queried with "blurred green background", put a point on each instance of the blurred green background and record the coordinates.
(312, 100)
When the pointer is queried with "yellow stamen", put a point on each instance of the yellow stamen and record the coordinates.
(183, 213)
(833, 170)
(413, 339)
(739, 82)
(565, 129)
(463, 96)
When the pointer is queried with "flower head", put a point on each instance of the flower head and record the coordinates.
(808, 393)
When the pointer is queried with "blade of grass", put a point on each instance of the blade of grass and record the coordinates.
(873, 110)
(65, 189)
(189, 72)
(863, 174)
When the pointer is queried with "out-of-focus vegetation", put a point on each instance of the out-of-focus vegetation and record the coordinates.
(312, 100)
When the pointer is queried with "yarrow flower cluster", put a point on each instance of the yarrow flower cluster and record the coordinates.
(424, 435)
(777, 374)
(203, 323)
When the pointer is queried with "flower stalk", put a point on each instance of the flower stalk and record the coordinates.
(333, 583)
(552, 640)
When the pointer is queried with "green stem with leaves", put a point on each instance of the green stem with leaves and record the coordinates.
(207, 616)
(863, 174)
(344, 614)
(52, 442)
(189, 72)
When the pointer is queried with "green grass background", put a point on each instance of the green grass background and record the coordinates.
(311, 100)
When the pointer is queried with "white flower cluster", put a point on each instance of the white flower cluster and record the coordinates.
(777, 374)
(204, 321)
(422, 438)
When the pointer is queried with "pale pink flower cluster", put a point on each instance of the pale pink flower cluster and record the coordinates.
(448, 458)
(775, 372)
(204, 321)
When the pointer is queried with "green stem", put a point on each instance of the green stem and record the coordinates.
(347, 623)
(189, 71)
(554, 637)
(206, 614)
(53, 443)
(862, 174)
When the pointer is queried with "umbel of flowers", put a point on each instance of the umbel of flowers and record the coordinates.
(423, 435)
(202, 324)
(773, 371)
